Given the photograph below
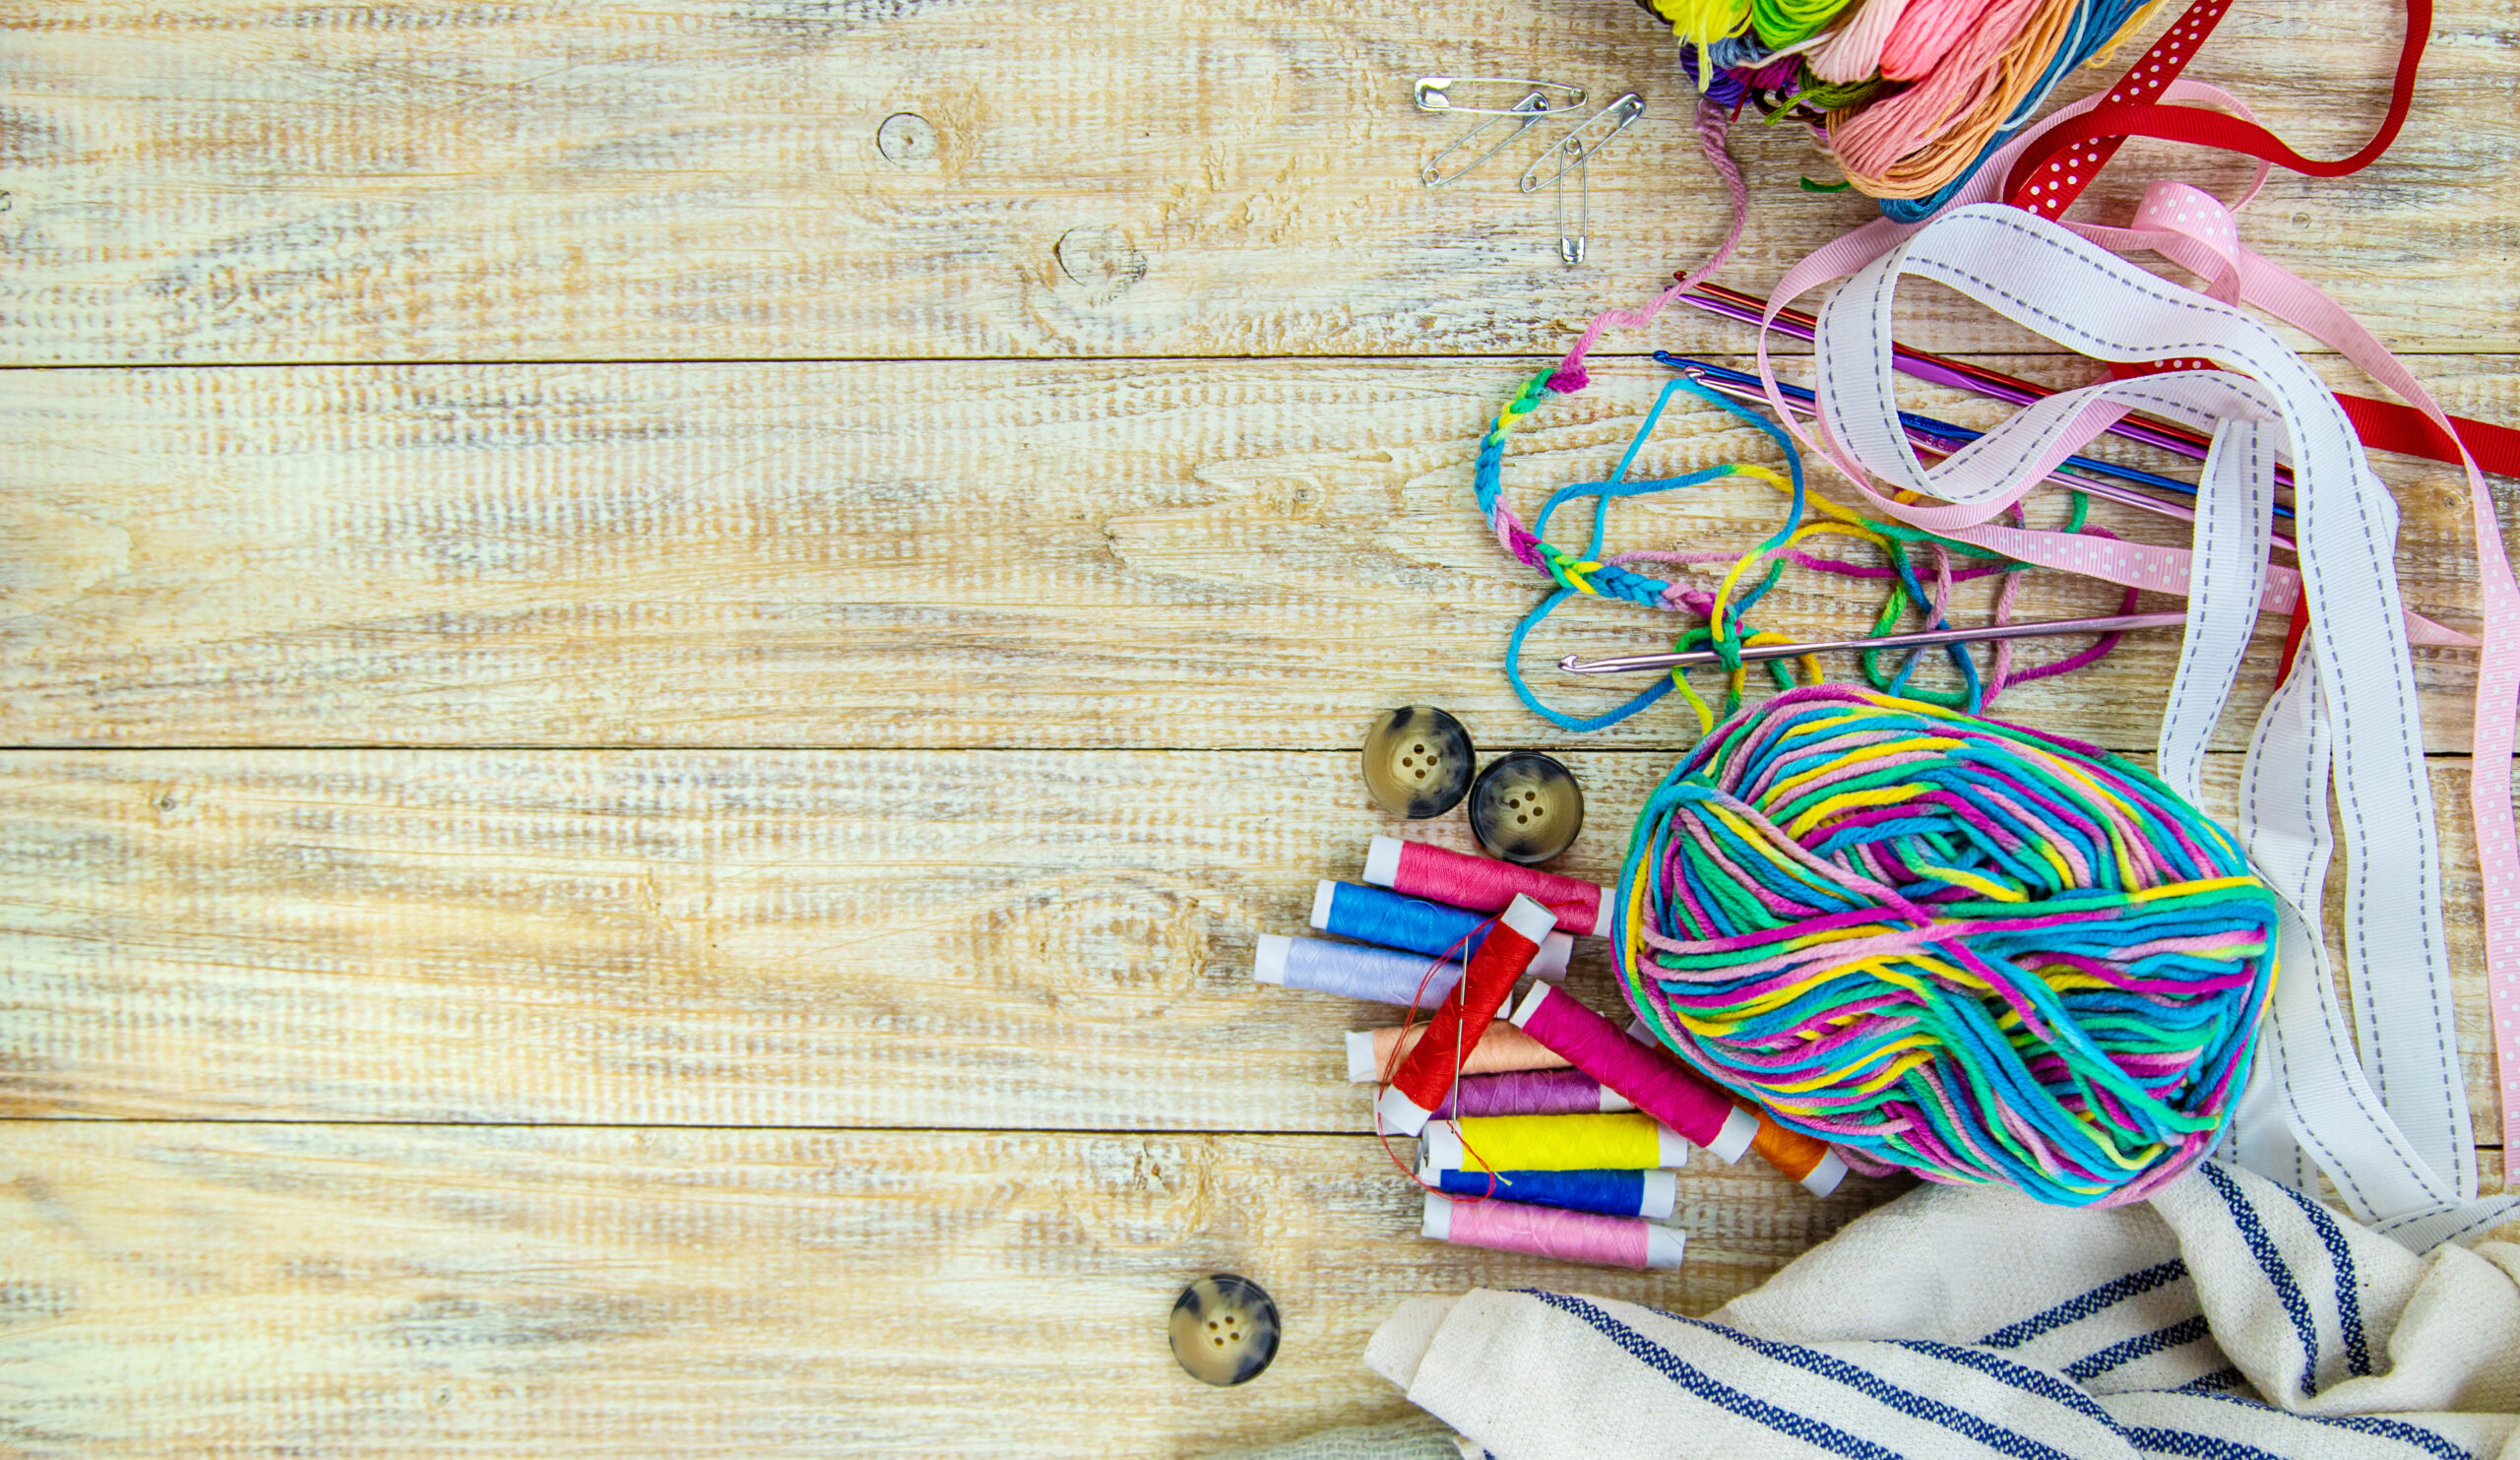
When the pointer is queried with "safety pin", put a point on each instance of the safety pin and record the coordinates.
(1433, 93)
(1571, 249)
(1574, 147)
(1693, 659)
(1530, 109)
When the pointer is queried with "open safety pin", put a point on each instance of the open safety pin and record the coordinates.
(1692, 658)
(1434, 93)
(1578, 146)
(1530, 109)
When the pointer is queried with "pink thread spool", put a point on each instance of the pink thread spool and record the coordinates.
(1426, 1072)
(1654, 1084)
(1557, 1091)
(1546, 1231)
(1460, 880)
(1503, 1047)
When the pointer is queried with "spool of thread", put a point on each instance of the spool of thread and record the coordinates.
(1681, 1098)
(1630, 1142)
(1613, 1194)
(1557, 1091)
(1806, 1159)
(1503, 1049)
(1427, 1070)
(1545, 1231)
(1460, 881)
(1384, 976)
(1377, 915)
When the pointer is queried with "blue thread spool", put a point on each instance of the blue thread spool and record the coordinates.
(1377, 915)
(1615, 1194)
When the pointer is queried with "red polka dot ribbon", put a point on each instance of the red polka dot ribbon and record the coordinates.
(2059, 180)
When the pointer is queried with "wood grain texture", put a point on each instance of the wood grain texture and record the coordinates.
(250, 180)
(339, 1291)
(987, 940)
(1208, 555)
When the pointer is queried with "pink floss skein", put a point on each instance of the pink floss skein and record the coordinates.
(1852, 51)
(1925, 31)
(1874, 138)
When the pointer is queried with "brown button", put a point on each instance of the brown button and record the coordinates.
(1418, 762)
(1525, 807)
(1225, 1329)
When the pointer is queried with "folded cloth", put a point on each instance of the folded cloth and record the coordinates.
(2228, 1317)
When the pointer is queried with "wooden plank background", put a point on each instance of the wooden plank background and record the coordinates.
(644, 726)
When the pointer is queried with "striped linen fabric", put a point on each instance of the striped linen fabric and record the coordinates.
(2228, 1317)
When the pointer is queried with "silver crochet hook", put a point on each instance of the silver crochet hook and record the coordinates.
(1523, 113)
(1434, 93)
(1692, 658)
(1590, 136)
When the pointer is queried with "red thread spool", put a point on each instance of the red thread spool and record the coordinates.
(1460, 880)
(1651, 1082)
(1426, 1073)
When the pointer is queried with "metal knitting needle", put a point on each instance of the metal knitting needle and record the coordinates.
(1796, 397)
(1692, 658)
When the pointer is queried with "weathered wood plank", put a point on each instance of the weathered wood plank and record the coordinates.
(253, 180)
(240, 1289)
(986, 941)
(1213, 553)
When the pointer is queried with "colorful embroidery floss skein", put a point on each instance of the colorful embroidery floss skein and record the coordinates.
(1377, 915)
(1503, 1049)
(1460, 881)
(1544, 1231)
(1557, 1091)
(1383, 976)
(1631, 1142)
(1949, 945)
(1613, 1194)
(1426, 1071)
(1651, 1082)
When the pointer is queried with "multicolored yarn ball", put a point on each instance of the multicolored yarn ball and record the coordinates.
(1949, 945)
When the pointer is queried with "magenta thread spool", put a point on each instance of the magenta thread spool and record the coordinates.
(1651, 1082)
(1558, 1091)
(1545, 1231)
(1377, 915)
(1460, 881)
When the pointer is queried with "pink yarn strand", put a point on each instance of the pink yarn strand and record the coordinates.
(1713, 125)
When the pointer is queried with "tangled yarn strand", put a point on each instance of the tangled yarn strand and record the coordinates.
(1949, 945)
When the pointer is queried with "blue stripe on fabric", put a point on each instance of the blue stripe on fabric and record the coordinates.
(2349, 1289)
(2160, 1442)
(2012, 1373)
(1880, 1390)
(2143, 1345)
(1697, 1382)
(2074, 1309)
(2270, 1263)
(2417, 1436)
(2221, 1378)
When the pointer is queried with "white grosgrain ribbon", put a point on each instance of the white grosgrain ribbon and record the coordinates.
(2391, 1129)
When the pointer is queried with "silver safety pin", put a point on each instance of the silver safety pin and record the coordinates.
(1533, 108)
(1692, 658)
(1590, 136)
(1434, 93)
(1570, 247)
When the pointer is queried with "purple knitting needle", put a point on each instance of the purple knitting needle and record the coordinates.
(1927, 366)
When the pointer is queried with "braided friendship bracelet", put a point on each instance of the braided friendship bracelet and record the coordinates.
(1723, 610)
